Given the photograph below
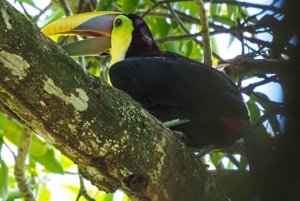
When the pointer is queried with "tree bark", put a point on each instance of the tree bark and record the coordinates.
(114, 142)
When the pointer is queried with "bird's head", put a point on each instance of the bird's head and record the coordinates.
(127, 35)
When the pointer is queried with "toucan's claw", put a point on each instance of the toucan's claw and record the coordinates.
(206, 150)
(181, 135)
(175, 122)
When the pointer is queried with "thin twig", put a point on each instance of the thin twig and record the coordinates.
(19, 169)
(82, 191)
(205, 34)
(10, 150)
(86, 6)
(176, 38)
(80, 6)
(186, 30)
(271, 112)
(233, 160)
(174, 14)
(231, 2)
(149, 10)
(65, 5)
(248, 5)
(68, 11)
(249, 89)
(36, 18)
(25, 11)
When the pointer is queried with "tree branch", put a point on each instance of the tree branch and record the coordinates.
(66, 7)
(20, 165)
(114, 142)
(208, 60)
(256, 67)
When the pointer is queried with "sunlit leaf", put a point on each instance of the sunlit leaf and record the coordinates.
(13, 131)
(215, 9)
(196, 53)
(45, 194)
(190, 7)
(3, 180)
(107, 197)
(66, 162)
(171, 47)
(214, 45)
(255, 116)
(1, 143)
(74, 189)
(189, 48)
(232, 11)
(225, 20)
(216, 157)
(130, 6)
(163, 27)
(125, 198)
(104, 5)
(50, 162)
(230, 165)
(31, 3)
(14, 194)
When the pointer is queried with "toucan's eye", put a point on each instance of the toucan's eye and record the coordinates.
(118, 23)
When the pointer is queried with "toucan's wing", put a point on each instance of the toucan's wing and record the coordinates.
(176, 85)
(137, 82)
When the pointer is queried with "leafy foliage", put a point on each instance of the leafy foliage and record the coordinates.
(230, 18)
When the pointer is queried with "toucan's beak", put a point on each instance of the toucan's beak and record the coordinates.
(96, 24)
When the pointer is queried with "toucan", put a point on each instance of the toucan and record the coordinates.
(206, 106)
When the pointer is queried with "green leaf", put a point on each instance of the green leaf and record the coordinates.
(255, 116)
(45, 194)
(196, 53)
(130, 6)
(1, 143)
(104, 5)
(230, 165)
(66, 162)
(14, 194)
(3, 118)
(189, 48)
(107, 197)
(225, 20)
(243, 163)
(49, 161)
(31, 3)
(264, 101)
(171, 47)
(163, 27)
(215, 9)
(3, 180)
(232, 11)
(231, 39)
(13, 131)
(74, 189)
(216, 157)
(214, 45)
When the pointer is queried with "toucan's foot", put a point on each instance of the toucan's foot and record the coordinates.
(181, 135)
(206, 150)
(175, 122)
